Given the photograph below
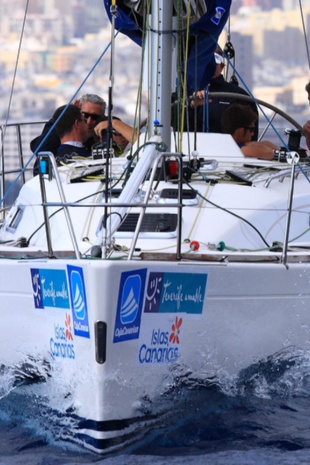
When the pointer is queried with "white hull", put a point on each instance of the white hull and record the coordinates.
(217, 319)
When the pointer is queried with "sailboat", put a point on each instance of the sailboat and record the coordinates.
(121, 275)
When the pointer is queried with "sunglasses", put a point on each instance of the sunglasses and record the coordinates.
(93, 116)
(250, 128)
(82, 120)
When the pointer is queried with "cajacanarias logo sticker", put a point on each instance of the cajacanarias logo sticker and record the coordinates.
(78, 301)
(129, 305)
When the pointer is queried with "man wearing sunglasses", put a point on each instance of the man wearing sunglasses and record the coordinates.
(239, 121)
(92, 107)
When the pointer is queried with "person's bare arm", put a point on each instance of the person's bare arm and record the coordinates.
(306, 129)
(263, 150)
(124, 129)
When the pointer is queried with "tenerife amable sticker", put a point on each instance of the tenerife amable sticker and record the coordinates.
(50, 288)
(175, 293)
(129, 305)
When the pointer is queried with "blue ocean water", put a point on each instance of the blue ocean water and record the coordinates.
(261, 417)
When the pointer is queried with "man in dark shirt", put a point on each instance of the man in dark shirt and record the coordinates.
(206, 112)
(71, 129)
(92, 107)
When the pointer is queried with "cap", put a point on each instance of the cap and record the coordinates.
(218, 58)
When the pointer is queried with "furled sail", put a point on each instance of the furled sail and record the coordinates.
(197, 7)
(207, 20)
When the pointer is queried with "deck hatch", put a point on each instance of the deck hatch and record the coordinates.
(153, 225)
(189, 196)
(15, 217)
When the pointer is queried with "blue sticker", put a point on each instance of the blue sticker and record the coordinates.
(175, 293)
(50, 288)
(78, 301)
(153, 292)
(219, 11)
(129, 305)
(36, 288)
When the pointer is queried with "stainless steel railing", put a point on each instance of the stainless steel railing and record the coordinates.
(15, 158)
(54, 174)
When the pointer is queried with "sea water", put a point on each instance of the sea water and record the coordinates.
(261, 417)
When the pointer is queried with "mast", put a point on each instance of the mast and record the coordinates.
(161, 68)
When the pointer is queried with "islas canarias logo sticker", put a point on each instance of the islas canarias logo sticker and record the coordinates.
(162, 345)
(61, 341)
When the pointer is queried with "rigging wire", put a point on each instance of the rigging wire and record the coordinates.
(185, 74)
(304, 30)
(144, 62)
(105, 243)
(15, 69)
(138, 108)
(180, 110)
(230, 52)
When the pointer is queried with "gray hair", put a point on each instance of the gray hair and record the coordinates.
(93, 98)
